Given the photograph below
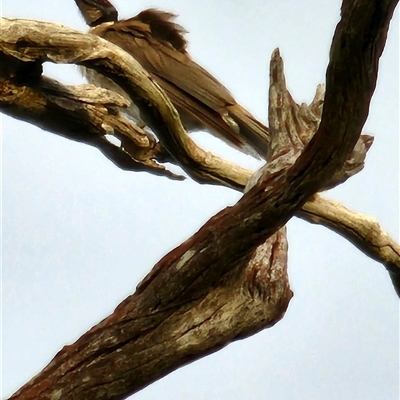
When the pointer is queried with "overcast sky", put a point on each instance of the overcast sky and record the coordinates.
(79, 234)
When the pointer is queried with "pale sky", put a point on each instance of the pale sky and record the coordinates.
(79, 234)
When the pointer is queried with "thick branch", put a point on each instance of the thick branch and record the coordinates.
(217, 257)
(291, 128)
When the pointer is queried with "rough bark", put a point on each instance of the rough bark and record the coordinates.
(229, 279)
(87, 114)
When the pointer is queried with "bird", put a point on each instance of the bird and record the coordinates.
(159, 45)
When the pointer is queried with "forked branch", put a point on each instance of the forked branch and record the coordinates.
(198, 297)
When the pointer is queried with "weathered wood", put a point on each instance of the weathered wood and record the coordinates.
(33, 41)
(228, 280)
(81, 113)
(363, 231)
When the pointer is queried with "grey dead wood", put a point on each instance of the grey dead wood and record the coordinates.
(228, 280)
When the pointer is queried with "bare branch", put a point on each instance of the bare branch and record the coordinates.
(292, 130)
(23, 39)
(34, 41)
(178, 301)
(364, 232)
(81, 113)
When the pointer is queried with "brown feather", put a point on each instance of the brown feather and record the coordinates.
(163, 29)
(158, 44)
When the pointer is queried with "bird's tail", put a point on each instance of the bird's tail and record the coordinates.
(252, 131)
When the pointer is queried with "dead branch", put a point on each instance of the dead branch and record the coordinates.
(81, 113)
(292, 130)
(36, 42)
(178, 303)
(26, 45)
(363, 231)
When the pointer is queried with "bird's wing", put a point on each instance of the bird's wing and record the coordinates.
(159, 46)
(191, 107)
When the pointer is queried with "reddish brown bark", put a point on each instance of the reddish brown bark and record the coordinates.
(229, 279)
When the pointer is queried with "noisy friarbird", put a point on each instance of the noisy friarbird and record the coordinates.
(159, 45)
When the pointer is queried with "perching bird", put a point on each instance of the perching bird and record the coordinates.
(159, 45)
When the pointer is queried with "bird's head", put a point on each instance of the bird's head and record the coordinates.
(95, 12)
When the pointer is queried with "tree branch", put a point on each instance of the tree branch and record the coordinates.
(81, 113)
(199, 297)
(28, 41)
(364, 232)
